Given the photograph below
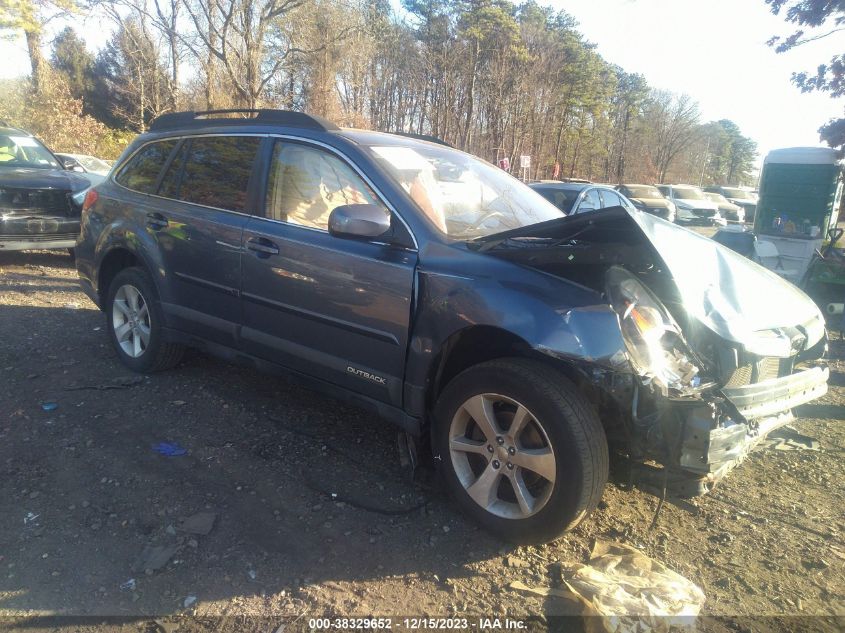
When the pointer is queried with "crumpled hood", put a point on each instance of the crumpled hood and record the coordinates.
(34, 178)
(737, 299)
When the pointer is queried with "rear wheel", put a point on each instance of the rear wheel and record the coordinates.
(134, 319)
(520, 448)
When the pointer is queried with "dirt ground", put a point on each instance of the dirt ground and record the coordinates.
(314, 514)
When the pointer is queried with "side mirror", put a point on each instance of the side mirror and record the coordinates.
(359, 221)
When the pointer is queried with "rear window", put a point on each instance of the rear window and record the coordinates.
(217, 171)
(142, 170)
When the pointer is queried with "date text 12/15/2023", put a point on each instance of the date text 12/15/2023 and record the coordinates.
(415, 623)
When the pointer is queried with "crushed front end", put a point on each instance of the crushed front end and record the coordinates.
(710, 385)
(717, 350)
(758, 397)
(37, 219)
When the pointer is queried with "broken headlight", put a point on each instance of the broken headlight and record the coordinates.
(656, 347)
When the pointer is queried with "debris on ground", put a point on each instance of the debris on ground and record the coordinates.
(167, 627)
(154, 558)
(199, 523)
(49, 406)
(545, 592)
(189, 601)
(513, 561)
(170, 449)
(129, 585)
(121, 382)
(633, 592)
(30, 517)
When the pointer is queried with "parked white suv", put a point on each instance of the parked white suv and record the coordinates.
(691, 206)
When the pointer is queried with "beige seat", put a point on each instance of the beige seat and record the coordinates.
(309, 184)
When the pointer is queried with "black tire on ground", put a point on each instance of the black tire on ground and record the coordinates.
(158, 354)
(572, 429)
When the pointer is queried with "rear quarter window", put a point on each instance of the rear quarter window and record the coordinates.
(142, 170)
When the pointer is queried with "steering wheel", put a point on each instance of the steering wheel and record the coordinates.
(490, 214)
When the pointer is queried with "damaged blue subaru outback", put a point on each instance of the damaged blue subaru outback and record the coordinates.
(436, 290)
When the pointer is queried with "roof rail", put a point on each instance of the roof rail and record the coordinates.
(425, 137)
(175, 120)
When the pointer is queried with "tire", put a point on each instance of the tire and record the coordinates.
(554, 418)
(135, 330)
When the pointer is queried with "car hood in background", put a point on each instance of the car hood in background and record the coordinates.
(732, 296)
(34, 178)
(655, 203)
(741, 202)
(695, 204)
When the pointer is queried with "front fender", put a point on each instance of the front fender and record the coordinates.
(550, 315)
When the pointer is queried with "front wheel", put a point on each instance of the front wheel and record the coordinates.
(521, 449)
(135, 319)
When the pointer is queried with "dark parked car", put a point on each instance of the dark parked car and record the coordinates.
(450, 298)
(40, 198)
(647, 198)
(740, 197)
(578, 197)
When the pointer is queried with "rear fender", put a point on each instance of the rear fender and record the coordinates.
(142, 245)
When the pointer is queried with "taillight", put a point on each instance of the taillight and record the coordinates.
(90, 199)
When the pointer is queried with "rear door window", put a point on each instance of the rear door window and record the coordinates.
(217, 171)
(141, 172)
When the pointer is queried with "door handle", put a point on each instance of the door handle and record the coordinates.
(156, 221)
(262, 246)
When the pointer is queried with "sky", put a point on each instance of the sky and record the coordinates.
(713, 50)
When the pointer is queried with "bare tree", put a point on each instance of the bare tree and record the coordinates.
(238, 34)
(674, 121)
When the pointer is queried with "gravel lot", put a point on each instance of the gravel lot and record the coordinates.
(313, 513)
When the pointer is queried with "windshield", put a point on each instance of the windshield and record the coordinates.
(25, 151)
(641, 191)
(716, 197)
(465, 197)
(688, 193)
(739, 194)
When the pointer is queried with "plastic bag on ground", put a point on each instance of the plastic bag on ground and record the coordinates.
(634, 593)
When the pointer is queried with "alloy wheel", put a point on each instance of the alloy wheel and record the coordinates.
(131, 321)
(502, 456)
